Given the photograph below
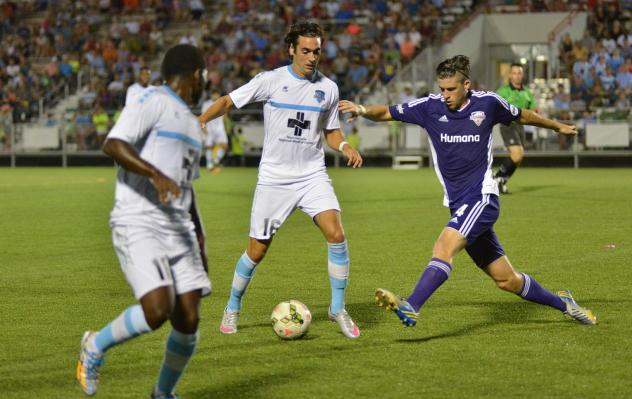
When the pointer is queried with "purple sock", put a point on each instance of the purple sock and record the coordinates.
(534, 292)
(435, 274)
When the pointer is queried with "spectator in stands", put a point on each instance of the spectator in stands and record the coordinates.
(6, 123)
(83, 129)
(623, 101)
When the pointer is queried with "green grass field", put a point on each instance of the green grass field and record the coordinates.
(60, 276)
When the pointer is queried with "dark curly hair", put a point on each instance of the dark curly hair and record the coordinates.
(181, 60)
(450, 67)
(305, 29)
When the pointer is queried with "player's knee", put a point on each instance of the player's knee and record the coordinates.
(442, 251)
(156, 316)
(257, 254)
(336, 237)
(190, 322)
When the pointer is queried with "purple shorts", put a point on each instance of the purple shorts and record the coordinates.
(474, 218)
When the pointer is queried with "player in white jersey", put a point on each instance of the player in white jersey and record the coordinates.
(156, 229)
(135, 89)
(299, 103)
(216, 138)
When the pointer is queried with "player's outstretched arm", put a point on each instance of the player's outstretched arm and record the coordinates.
(199, 230)
(377, 113)
(219, 108)
(336, 141)
(127, 156)
(528, 117)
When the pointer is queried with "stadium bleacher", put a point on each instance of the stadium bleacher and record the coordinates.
(60, 59)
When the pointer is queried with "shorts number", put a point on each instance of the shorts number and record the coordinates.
(270, 226)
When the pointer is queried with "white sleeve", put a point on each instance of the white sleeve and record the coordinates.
(137, 120)
(332, 121)
(257, 90)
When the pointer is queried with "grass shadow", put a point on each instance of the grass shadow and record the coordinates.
(499, 313)
(531, 189)
(254, 386)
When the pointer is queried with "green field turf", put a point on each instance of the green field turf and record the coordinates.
(60, 277)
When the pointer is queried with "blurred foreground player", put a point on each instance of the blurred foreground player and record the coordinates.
(156, 229)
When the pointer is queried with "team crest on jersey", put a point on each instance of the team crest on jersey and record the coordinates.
(514, 111)
(400, 108)
(284, 89)
(478, 117)
(319, 95)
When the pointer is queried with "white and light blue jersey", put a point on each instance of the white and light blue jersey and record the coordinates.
(164, 131)
(133, 91)
(296, 110)
(460, 141)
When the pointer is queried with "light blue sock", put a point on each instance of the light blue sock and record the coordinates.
(209, 158)
(244, 270)
(219, 155)
(338, 267)
(180, 347)
(129, 324)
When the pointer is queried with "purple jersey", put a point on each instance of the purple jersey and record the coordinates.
(460, 141)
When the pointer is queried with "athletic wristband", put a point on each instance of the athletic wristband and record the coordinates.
(362, 110)
(342, 145)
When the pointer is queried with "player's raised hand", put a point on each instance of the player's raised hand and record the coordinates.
(167, 188)
(568, 129)
(349, 107)
(202, 122)
(353, 156)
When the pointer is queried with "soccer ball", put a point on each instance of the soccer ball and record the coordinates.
(290, 319)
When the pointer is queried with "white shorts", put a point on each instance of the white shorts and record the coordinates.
(151, 259)
(272, 205)
(216, 137)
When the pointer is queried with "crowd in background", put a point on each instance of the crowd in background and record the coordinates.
(599, 65)
(46, 45)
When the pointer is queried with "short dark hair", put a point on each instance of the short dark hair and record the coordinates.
(305, 29)
(451, 66)
(516, 64)
(181, 60)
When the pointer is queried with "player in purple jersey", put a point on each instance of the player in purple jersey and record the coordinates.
(459, 123)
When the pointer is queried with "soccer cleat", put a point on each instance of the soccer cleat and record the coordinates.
(347, 326)
(156, 394)
(229, 322)
(402, 309)
(575, 311)
(90, 362)
(502, 185)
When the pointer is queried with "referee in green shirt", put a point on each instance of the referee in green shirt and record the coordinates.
(520, 96)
